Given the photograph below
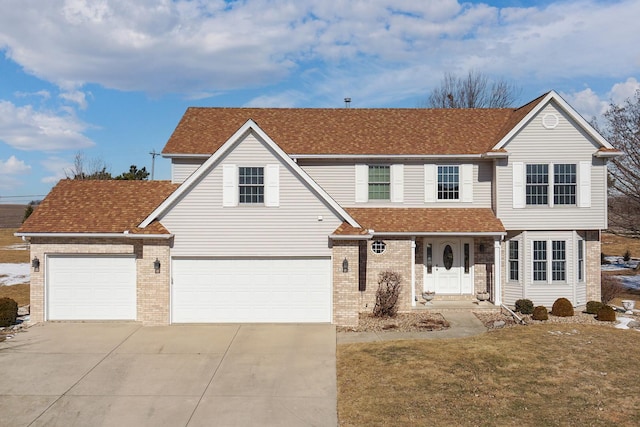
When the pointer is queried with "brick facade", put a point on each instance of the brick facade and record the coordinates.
(152, 290)
(593, 249)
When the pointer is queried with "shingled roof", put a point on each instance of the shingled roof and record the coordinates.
(95, 206)
(351, 131)
(423, 220)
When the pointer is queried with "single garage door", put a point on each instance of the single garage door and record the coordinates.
(91, 288)
(251, 290)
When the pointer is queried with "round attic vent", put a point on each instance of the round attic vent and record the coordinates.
(550, 120)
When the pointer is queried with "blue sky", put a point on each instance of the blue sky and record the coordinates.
(111, 78)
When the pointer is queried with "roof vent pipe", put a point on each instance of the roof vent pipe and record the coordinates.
(347, 102)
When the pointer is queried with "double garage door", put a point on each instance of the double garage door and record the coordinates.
(251, 290)
(202, 291)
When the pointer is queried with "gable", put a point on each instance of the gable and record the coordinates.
(264, 143)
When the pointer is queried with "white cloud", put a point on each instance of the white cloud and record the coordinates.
(77, 97)
(44, 94)
(620, 92)
(26, 128)
(285, 99)
(380, 47)
(13, 166)
(56, 167)
(587, 103)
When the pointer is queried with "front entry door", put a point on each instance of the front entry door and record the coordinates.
(448, 266)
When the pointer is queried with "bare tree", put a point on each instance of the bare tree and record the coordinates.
(473, 91)
(84, 168)
(622, 129)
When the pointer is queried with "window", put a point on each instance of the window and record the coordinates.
(537, 184)
(251, 184)
(466, 258)
(564, 184)
(429, 258)
(559, 261)
(378, 246)
(580, 260)
(514, 267)
(448, 182)
(447, 257)
(540, 260)
(379, 182)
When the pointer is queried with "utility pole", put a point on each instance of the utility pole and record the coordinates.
(153, 161)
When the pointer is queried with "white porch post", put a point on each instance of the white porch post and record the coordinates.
(497, 273)
(413, 271)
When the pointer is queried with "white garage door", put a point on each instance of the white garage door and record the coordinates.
(251, 290)
(91, 288)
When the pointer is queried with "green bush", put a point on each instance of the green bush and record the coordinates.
(8, 312)
(524, 306)
(562, 307)
(606, 314)
(593, 307)
(540, 313)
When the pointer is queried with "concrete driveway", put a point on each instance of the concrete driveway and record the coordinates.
(123, 374)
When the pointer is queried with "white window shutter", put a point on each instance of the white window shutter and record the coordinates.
(584, 175)
(466, 176)
(362, 183)
(518, 185)
(272, 185)
(430, 183)
(397, 183)
(229, 185)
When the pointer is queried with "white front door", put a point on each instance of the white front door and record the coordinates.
(448, 266)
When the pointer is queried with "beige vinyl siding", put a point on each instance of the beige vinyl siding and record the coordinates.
(338, 179)
(181, 169)
(566, 143)
(204, 228)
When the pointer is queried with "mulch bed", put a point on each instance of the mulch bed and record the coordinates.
(402, 322)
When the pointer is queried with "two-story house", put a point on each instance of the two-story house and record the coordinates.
(289, 215)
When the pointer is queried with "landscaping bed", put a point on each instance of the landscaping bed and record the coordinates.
(402, 322)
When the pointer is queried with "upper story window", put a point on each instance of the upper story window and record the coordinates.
(379, 182)
(564, 184)
(537, 184)
(448, 182)
(251, 184)
(542, 184)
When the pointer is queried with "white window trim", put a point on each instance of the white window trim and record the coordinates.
(396, 183)
(549, 262)
(465, 183)
(583, 185)
(518, 260)
(231, 187)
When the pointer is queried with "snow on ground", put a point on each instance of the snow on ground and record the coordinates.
(13, 274)
(617, 263)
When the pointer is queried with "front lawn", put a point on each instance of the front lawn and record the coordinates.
(553, 374)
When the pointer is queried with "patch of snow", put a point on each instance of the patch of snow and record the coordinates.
(630, 282)
(17, 247)
(618, 263)
(13, 274)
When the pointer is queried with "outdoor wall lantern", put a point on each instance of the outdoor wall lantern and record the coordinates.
(35, 263)
(345, 266)
(156, 265)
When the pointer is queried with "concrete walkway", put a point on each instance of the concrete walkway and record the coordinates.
(463, 324)
(122, 374)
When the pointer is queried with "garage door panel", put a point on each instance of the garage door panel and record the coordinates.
(91, 288)
(251, 290)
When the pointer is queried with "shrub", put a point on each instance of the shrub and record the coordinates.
(610, 288)
(540, 313)
(8, 311)
(593, 307)
(562, 307)
(606, 314)
(387, 294)
(627, 256)
(524, 306)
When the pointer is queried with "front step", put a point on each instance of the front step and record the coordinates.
(440, 306)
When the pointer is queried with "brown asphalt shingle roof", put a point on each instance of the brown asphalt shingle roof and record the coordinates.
(95, 206)
(423, 220)
(415, 131)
